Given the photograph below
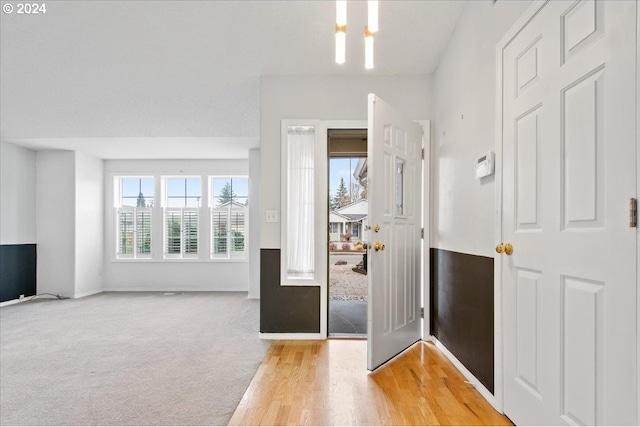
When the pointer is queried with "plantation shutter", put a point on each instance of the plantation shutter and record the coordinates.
(143, 232)
(190, 232)
(173, 226)
(238, 230)
(219, 221)
(125, 232)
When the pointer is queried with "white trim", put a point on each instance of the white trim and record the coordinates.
(88, 293)
(174, 289)
(637, 229)
(30, 297)
(320, 202)
(484, 392)
(498, 397)
(425, 271)
(498, 384)
(12, 302)
(290, 336)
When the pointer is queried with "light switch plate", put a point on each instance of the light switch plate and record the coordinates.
(272, 216)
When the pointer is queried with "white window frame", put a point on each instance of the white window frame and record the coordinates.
(230, 255)
(182, 210)
(119, 208)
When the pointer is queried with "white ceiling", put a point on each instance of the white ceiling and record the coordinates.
(121, 78)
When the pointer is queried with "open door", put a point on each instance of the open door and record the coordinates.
(394, 194)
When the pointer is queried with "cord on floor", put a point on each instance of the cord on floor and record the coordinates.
(57, 296)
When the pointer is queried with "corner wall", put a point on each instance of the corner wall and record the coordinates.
(17, 222)
(55, 218)
(89, 225)
(296, 309)
(69, 222)
(254, 224)
(462, 228)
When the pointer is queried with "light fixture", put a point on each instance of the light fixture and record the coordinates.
(368, 48)
(369, 30)
(341, 30)
(372, 21)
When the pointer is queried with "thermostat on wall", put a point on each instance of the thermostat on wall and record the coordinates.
(484, 165)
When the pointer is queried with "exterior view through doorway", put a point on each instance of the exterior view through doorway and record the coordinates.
(347, 305)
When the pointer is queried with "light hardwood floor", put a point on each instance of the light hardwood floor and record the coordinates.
(327, 383)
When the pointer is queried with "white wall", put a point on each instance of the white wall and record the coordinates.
(325, 98)
(89, 224)
(168, 275)
(254, 223)
(17, 195)
(55, 222)
(464, 128)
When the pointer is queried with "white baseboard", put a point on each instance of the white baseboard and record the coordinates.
(289, 336)
(186, 289)
(30, 297)
(10, 302)
(86, 294)
(488, 396)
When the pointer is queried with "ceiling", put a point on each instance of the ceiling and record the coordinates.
(136, 79)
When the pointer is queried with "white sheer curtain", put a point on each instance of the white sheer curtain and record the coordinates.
(300, 197)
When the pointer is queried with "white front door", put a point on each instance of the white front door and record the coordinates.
(569, 165)
(395, 212)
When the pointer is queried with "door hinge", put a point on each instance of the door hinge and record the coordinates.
(423, 154)
(422, 233)
(422, 312)
(633, 212)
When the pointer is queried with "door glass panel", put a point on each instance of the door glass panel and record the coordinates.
(400, 186)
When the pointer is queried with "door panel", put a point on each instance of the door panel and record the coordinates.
(394, 182)
(569, 297)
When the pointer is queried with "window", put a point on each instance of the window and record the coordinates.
(181, 214)
(174, 218)
(400, 187)
(229, 207)
(300, 201)
(304, 208)
(134, 203)
(183, 192)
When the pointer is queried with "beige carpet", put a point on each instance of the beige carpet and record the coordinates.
(128, 359)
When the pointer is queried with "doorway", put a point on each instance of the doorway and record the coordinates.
(347, 256)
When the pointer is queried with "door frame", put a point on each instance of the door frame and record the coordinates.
(638, 228)
(528, 15)
(323, 128)
(425, 282)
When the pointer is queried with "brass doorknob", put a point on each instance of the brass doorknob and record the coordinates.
(505, 248)
(378, 246)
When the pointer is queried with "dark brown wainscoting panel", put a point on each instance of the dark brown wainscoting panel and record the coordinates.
(285, 309)
(462, 309)
(17, 271)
